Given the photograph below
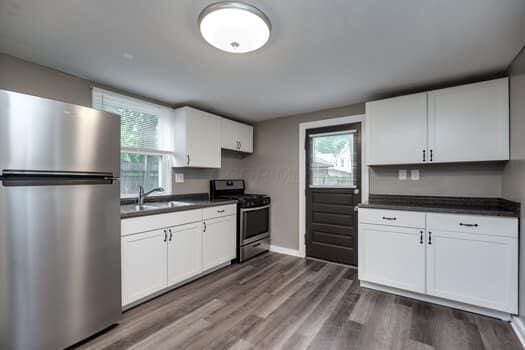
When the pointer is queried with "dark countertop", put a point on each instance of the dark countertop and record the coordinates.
(159, 205)
(439, 204)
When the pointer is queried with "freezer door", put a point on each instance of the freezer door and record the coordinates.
(46, 135)
(60, 276)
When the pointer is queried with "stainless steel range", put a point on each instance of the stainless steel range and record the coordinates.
(253, 217)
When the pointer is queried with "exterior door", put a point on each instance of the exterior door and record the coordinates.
(333, 178)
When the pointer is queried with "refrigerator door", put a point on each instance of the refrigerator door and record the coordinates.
(46, 135)
(60, 262)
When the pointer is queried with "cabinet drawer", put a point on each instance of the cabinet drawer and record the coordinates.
(155, 222)
(487, 225)
(392, 217)
(215, 212)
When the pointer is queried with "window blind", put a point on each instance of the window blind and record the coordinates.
(144, 126)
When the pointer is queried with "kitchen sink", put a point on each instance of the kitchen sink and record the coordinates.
(174, 204)
(144, 207)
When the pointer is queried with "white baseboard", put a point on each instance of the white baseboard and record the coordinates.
(287, 251)
(519, 329)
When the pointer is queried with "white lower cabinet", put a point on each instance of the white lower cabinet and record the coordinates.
(155, 260)
(393, 256)
(184, 252)
(144, 265)
(219, 241)
(471, 260)
(474, 269)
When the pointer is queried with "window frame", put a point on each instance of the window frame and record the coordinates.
(165, 114)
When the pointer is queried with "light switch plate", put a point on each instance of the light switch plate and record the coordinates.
(414, 174)
(179, 178)
(403, 174)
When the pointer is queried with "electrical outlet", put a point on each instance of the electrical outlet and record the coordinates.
(179, 178)
(414, 174)
(403, 174)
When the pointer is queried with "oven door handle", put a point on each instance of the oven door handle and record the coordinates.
(257, 208)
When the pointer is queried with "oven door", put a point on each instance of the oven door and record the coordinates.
(254, 224)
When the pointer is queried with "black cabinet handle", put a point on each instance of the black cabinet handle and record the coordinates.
(430, 238)
(424, 155)
(220, 211)
(468, 225)
(420, 237)
(204, 226)
(187, 159)
(171, 234)
(387, 218)
(431, 155)
(165, 236)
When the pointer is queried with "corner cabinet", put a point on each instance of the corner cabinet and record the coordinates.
(464, 261)
(460, 124)
(161, 252)
(197, 139)
(236, 136)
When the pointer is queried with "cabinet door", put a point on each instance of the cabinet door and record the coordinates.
(396, 130)
(144, 265)
(473, 268)
(245, 138)
(470, 122)
(184, 252)
(229, 137)
(392, 256)
(219, 239)
(203, 139)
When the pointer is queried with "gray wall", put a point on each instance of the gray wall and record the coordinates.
(21, 76)
(513, 185)
(29, 78)
(273, 169)
(462, 179)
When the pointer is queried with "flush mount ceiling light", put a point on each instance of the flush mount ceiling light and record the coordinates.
(234, 27)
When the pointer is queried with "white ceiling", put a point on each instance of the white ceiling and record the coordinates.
(321, 54)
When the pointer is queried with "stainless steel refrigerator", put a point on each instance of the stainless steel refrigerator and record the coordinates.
(59, 222)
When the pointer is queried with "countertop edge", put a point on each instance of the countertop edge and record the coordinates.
(159, 211)
(464, 211)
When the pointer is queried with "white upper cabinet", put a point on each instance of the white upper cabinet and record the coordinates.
(237, 136)
(460, 124)
(197, 138)
(470, 122)
(396, 130)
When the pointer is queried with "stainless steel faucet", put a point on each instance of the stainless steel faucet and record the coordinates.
(142, 195)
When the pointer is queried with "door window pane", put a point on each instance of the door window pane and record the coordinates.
(331, 160)
(139, 170)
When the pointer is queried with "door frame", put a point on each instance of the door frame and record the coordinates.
(302, 167)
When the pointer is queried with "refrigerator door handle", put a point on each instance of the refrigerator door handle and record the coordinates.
(9, 172)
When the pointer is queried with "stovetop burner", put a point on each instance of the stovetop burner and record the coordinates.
(234, 189)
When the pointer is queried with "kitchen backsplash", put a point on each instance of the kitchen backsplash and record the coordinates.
(459, 180)
(197, 180)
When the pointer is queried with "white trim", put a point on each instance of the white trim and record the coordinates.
(302, 166)
(287, 251)
(519, 329)
(505, 316)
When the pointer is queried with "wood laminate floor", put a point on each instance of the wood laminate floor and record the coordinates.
(281, 302)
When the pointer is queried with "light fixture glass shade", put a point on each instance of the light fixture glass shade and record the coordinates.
(234, 27)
